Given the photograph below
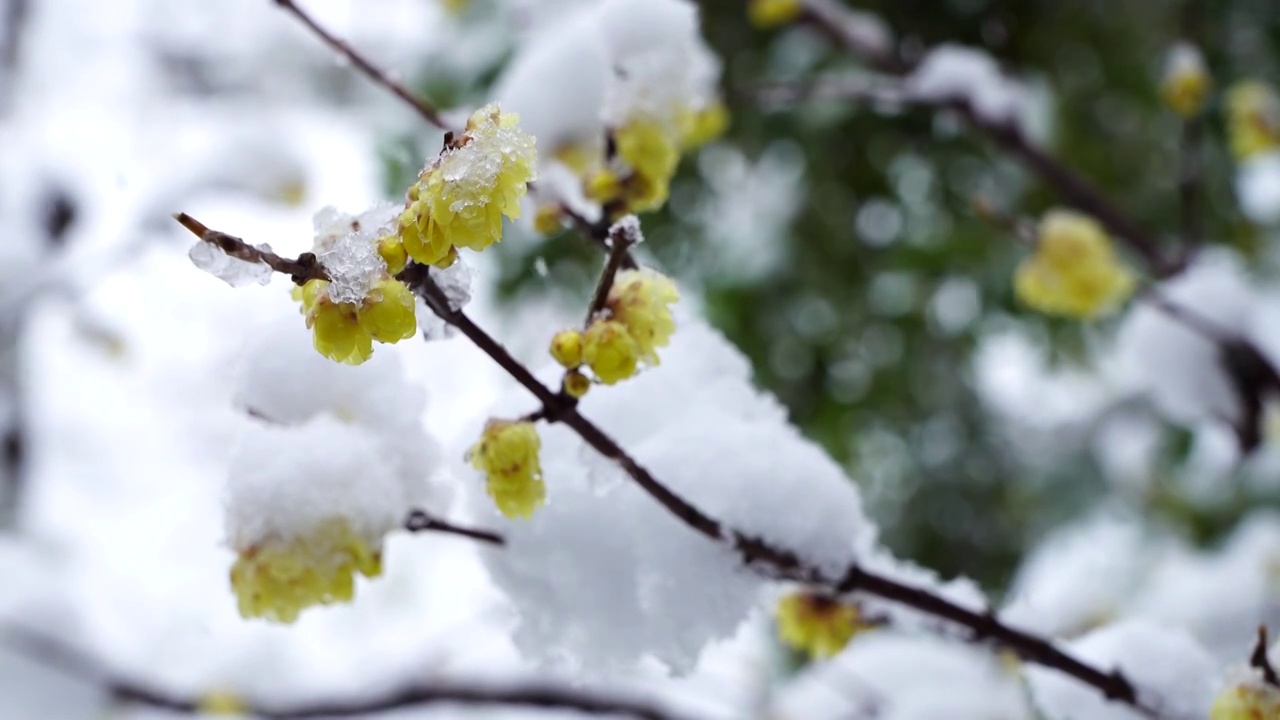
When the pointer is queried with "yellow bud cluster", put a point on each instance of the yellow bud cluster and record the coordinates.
(1253, 119)
(635, 322)
(1074, 271)
(277, 580)
(818, 625)
(344, 332)
(507, 453)
(460, 198)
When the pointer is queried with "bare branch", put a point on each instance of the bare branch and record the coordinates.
(1259, 660)
(371, 71)
(64, 658)
(619, 243)
(597, 233)
(1190, 174)
(421, 521)
(301, 270)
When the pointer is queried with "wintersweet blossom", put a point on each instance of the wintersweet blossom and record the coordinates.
(276, 580)
(610, 351)
(1253, 118)
(344, 331)
(461, 196)
(652, 152)
(641, 300)
(1074, 270)
(1186, 83)
(772, 13)
(1248, 697)
(507, 453)
(576, 384)
(816, 624)
(701, 126)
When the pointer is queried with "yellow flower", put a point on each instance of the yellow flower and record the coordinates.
(772, 13)
(1253, 119)
(641, 300)
(456, 8)
(603, 186)
(548, 219)
(1074, 270)
(610, 351)
(222, 702)
(460, 198)
(649, 149)
(566, 348)
(576, 384)
(699, 127)
(1249, 700)
(391, 248)
(1186, 82)
(507, 453)
(344, 332)
(580, 156)
(816, 624)
(277, 580)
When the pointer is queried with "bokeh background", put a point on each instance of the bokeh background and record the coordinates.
(836, 245)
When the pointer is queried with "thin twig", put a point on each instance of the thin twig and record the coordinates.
(420, 521)
(1259, 660)
(371, 71)
(621, 238)
(1190, 173)
(598, 233)
(75, 663)
(855, 29)
(301, 270)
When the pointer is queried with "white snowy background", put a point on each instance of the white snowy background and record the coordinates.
(132, 366)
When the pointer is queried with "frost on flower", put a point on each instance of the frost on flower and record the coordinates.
(1169, 669)
(817, 624)
(339, 462)
(1253, 118)
(629, 580)
(954, 72)
(360, 302)
(1074, 270)
(233, 271)
(307, 508)
(1246, 696)
(461, 197)
(1186, 83)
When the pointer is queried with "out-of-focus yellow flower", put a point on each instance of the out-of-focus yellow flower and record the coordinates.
(816, 624)
(576, 384)
(580, 157)
(460, 198)
(610, 351)
(1253, 118)
(641, 300)
(222, 702)
(650, 150)
(278, 580)
(1249, 700)
(699, 127)
(603, 186)
(549, 219)
(772, 13)
(1186, 82)
(456, 8)
(507, 453)
(1074, 271)
(344, 332)
(566, 348)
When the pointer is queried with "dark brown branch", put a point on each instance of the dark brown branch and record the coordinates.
(1259, 660)
(597, 233)
(845, 28)
(619, 243)
(756, 552)
(371, 71)
(56, 654)
(1190, 173)
(301, 270)
(776, 562)
(420, 521)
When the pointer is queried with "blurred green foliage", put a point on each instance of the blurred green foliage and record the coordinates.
(877, 379)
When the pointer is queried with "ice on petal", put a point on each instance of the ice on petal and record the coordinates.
(233, 271)
(347, 247)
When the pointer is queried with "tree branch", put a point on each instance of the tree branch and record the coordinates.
(621, 238)
(1259, 660)
(371, 71)
(303, 269)
(66, 659)
(597, 233)
(420, 521)
(1190, 173)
